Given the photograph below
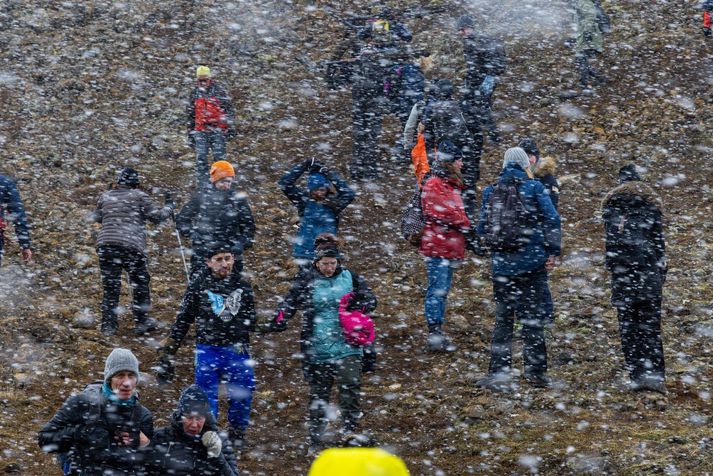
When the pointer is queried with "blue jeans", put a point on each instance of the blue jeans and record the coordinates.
(232, 367)
(440, 277)
(520, 296)
(213, 140)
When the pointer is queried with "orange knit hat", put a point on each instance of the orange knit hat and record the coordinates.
(220, 170)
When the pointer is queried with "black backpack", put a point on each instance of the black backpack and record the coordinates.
(508, 222)
(629, 240)
(444, 120)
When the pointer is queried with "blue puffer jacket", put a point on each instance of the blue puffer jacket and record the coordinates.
(316, 217)
(545, 241)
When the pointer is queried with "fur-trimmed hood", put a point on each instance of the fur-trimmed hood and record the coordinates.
(634, 188)
(546, 166)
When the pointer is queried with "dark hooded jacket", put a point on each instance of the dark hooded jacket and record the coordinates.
(635, 246)
(173, 452)
(300, 297)
(484, 56)
(217, 216)
(223, 310)
(98, 455)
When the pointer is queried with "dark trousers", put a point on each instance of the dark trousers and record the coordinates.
(2, 244)
(346, 373)
(520, 296)
(368, 110)
(640, 331)
(548, 304)
(112, 261)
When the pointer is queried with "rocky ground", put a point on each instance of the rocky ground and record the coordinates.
(88, 87)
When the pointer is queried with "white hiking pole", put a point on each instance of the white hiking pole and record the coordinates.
(180, 246)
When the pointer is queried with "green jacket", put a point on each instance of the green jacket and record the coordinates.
(589, 35)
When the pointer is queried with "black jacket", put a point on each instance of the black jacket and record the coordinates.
(635, 247)
(175, 453)
(217, 216)
(299, 297)
(237, 316)
(483, 56)
(91, 409)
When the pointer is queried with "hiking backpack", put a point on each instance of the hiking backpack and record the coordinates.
(508, 222)
(412, 220)
(444, 120)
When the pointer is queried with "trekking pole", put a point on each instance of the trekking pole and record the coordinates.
(180, 246)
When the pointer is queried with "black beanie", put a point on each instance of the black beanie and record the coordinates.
(628, 173)
(216, 247)
(128, 177)
(530, 147)
(193, 400)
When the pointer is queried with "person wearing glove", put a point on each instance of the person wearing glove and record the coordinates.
(318, 206)
(102, 429)
(12, 209)
(192, 444)
(217, 214)
(121, 245)
(221, 305)
(210, 120)
(328, 358)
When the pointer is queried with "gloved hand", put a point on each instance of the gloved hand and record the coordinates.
(165, 370)
(316, 167)
(168, 199)
(94, 435)
(279, 323)
(706, 32)
(231, 133)
(211, 441)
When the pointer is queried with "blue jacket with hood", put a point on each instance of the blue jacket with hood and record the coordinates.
(546, 239)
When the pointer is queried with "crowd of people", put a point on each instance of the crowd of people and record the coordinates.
(515, 222)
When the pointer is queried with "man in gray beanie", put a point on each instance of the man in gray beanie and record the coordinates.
(522, 229)
(101, 429)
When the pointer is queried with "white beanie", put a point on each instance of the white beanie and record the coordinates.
(118, 360)
(516, 155)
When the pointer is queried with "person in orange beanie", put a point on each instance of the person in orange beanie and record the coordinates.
(217, 214)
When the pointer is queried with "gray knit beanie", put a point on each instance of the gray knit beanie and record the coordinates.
(118, 360)
(516, 155)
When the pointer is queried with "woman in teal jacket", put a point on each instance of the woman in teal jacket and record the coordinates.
(328, 358)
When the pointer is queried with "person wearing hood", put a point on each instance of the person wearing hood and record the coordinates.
(519, 273)
(444, 238)
(544, 171)
(635, 257)
(318, 206)
(11, 208)
(192, 445)
(102, 430)
(210, 119)
(222, 306)
(217, 214)
(443, 120)
(328, 357)
(121, 245)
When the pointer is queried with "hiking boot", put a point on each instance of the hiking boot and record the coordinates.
(147, 324)
(109, 327)
(237, 438)
(648, 383)
(500, 383)
(438, 342)
(538, 380)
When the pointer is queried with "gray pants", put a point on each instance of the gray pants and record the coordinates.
(346, 373)
(205, 141)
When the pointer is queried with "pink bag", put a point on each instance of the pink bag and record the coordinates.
(358, 327)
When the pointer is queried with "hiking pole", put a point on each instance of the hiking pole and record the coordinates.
(180, 246)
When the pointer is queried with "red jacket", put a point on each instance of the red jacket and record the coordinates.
(446, 221)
